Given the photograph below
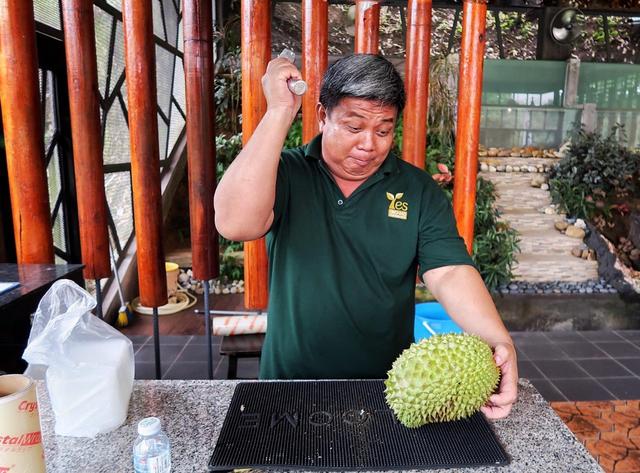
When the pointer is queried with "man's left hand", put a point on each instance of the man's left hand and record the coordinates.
(499, 404)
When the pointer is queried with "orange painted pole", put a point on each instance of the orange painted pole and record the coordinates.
(414, 135)
(198, 68)
(255, 19)
(23, 134)
(468, 127)
(367, 27)
(145, 163)
(84, 105)
(315, 43)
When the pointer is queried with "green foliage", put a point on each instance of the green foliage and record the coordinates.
(495, 244)
(228, 93)
(231, 267)
(596, 174)
(294, 137)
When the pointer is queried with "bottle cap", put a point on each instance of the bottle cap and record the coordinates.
(149, 426)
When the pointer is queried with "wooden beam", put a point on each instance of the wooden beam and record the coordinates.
(468, 128)
(143, 133)
(23, 135)
(414, 135)
(255, 19)
(315, 44)
(84, 105)
(367, 27)
(198, 70)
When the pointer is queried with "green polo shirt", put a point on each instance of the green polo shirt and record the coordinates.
(342, 271)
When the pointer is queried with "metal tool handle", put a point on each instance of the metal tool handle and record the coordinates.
(296, 86)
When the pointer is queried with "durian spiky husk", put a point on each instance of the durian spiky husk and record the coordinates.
(441, 378)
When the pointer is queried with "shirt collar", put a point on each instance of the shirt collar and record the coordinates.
(313, 150)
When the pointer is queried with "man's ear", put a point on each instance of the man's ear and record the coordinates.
(321, 114)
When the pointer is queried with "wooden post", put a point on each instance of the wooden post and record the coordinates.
(414, 135)
(255, 21)
(314, 60)
(468, 127)
(367, 27)
(23, 134)
(145, 164)
(198, 69)
(84, 105)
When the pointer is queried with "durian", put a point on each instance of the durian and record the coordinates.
(441, 378)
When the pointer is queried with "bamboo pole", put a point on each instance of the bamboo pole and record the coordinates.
(315, 43)
(23, 133)
(198, 68)
(84, 106)
(256, 52)
(414, 135)
(367, 27)
(468, 127)
(145, 164)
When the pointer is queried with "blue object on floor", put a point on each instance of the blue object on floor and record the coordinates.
(431, 315)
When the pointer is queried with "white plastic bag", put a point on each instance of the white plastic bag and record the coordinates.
(89, 364)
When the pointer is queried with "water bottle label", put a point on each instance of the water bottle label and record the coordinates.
(159, 464)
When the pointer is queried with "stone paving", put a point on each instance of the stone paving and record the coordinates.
(545, 252)
(610, 430)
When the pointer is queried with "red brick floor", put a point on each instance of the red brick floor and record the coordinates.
(610, 430)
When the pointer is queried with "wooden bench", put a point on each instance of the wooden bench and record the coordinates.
(240, 346)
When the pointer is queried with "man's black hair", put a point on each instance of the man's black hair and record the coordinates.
(365, 76)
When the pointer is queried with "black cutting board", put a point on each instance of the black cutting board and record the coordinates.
(341, 425)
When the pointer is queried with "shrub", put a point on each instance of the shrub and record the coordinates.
(596, 175)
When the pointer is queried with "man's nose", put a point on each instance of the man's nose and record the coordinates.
(366, 141)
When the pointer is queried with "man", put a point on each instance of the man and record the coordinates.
(347, 225)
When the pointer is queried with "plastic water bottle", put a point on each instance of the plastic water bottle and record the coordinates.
(152, 449)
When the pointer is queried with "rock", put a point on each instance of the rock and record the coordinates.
(575, 232)
(233, 290)
(492, 169)
(576, 251)
(634, 228)
(516, 168)
(199, 290)
(532, 169)
(513, 287)
(515, 154)
(504, 154)
(501, 168)
(482, 154)
(580, 224)
(484, 167)
(635, 254)
(589, 290)
(584, 254)
(544, 187)
(549, 211)
(537, 181)
(560, 225)
(508, 168)
(241, 289)
(226, 290)
(493, 152)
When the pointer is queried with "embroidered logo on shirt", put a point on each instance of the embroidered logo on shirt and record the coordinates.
(397, 208)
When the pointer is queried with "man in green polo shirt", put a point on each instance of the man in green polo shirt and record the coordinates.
(348, 224)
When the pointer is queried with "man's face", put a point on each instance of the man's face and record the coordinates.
(357, 136)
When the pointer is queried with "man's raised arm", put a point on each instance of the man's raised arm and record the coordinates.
(245, 196)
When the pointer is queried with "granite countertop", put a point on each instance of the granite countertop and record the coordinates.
(192, 414)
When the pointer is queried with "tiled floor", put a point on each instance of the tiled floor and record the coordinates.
(581, 366)
(564, 366)
(185, 357)
(609, 429)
